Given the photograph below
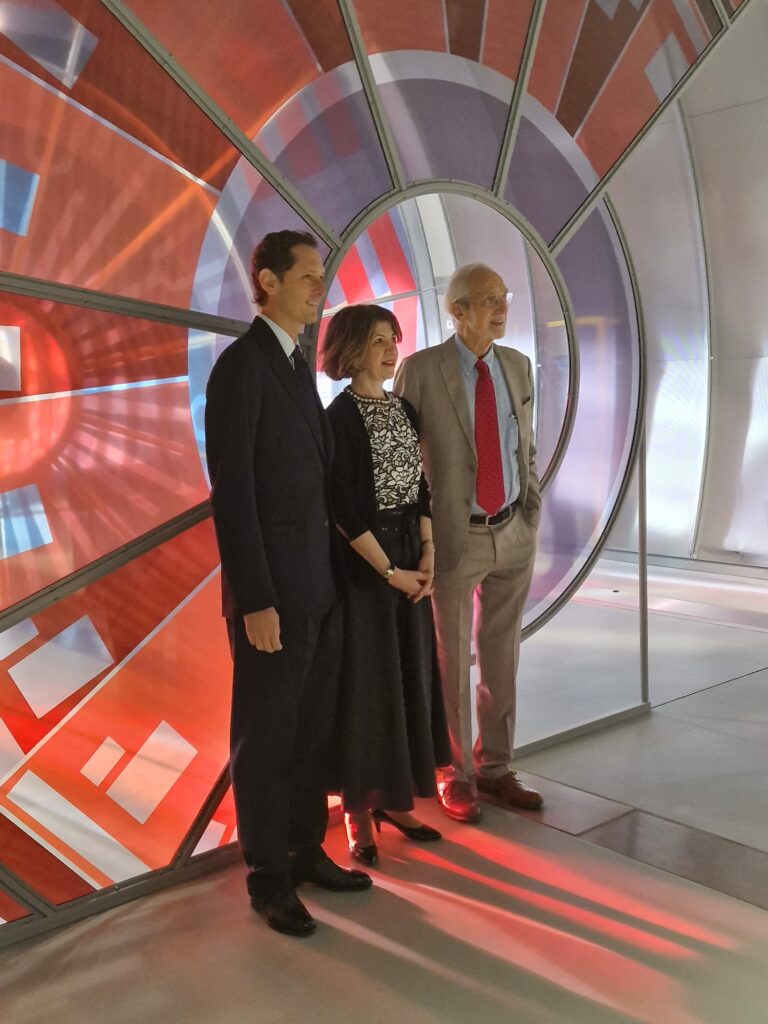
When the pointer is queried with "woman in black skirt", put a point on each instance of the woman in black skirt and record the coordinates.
(393, 723)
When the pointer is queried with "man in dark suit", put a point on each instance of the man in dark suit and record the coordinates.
(269, 452)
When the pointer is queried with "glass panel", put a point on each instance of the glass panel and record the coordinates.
(221, 829)
(380, 264)
(97, 444)
(445, 73)
(119, 718)
(416, 246)
(10, 910)
(552, 361)
(574, 516)
(309, 114)
(601, 69)
(115, 155)
(597, 635)
(246, 210)
(736, 494)
(655, 197)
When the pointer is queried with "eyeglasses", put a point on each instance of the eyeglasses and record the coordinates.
(492, 301)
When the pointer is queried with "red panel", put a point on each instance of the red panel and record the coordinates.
(221, 46)
(554, 51)
(179, 681)
(108, 215)
(123, 84)
(65, 348)
(628, 100)
(10, 910)
(353, 279)
(109, 467)
(402, 25)
(37, 868)
(506, 27)
(407, 313)
(393, 260)
(222, 828)
(124, 607)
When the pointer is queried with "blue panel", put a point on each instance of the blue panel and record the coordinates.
(17, 196)
(49, 35)
(23, 523)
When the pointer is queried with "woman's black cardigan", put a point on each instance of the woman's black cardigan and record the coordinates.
(353, 489)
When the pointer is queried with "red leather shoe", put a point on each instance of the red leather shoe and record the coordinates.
(458, 802)
(510, 790)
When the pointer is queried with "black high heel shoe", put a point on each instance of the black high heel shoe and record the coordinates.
(368, 853)
(418, 833)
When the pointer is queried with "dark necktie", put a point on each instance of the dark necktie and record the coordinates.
(490, 471)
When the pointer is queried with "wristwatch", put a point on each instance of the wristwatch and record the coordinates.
(389, 572)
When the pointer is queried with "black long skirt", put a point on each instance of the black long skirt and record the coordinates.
(393, 730)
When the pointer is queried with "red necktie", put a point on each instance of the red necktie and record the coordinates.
(490, 472)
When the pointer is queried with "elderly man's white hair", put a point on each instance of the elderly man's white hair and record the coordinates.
(458, 285)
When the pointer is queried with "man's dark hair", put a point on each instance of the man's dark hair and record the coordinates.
(275, 252)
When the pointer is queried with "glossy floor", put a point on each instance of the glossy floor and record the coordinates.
(511, 921)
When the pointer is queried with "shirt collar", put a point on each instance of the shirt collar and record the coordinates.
(468, 358)
(286, 341)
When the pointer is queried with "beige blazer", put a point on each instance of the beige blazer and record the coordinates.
(432, 382)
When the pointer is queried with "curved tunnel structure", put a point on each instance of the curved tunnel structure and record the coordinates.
(145, 149)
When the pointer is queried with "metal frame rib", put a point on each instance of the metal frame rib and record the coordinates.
(372, 95)
(597, 194)
(107, 302)
(516, 104)
(223, 122)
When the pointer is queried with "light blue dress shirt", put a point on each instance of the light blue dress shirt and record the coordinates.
(508, 434)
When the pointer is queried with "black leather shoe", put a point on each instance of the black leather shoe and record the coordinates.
(282, 909)
(327, 875)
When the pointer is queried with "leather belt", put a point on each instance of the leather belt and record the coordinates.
(498, 517)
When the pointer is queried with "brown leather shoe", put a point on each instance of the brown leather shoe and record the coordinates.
(458, 802)
(510, 790)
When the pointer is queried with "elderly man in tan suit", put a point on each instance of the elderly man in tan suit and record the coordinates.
(474, 401)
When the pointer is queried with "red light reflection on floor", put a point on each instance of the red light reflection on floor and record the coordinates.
(590, 919)
(583, 967)
(552, 872)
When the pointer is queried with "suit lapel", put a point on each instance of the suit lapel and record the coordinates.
(513, 383)
(290, 380)
(454, 382)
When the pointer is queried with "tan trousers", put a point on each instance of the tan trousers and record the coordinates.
(492, 579)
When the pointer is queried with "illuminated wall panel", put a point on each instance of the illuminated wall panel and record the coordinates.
(98, 446)
(10, 910)
(445, 73)
(17, 196)
(291, 43)
(601, 69)
(309, 115)
(133, 222)
(726, 113)
(222, 828)
(117, 83)
(655, 197)
(111, 779)
(586, 487)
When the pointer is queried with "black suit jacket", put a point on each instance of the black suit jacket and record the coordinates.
(269, 450)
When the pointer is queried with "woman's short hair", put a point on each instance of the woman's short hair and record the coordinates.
(348, 335)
